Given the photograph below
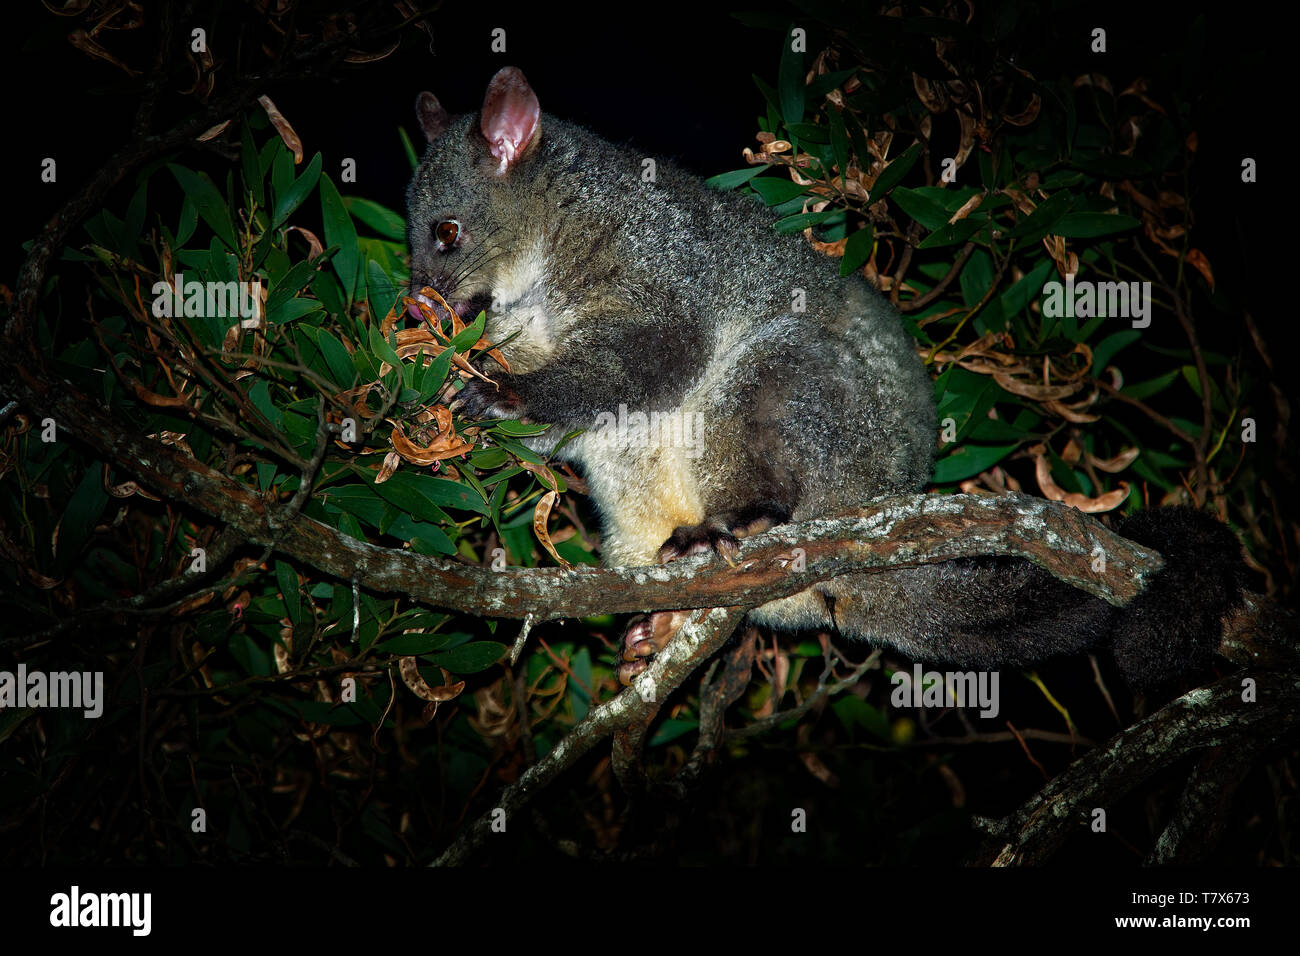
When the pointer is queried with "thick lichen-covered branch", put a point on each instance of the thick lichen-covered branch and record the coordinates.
(897, 532)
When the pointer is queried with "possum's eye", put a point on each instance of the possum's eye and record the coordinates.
(446, 232)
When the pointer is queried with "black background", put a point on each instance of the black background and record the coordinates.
(673, 80)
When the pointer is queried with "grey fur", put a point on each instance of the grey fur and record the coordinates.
(669, 297)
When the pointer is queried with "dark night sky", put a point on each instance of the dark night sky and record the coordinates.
(672, 83)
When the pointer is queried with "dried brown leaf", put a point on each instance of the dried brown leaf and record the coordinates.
(541, 514)
(212, 132)
(314, 247)
(1116, 464)
(283, 127)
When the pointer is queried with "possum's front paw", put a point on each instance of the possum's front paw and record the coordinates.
(700, 539)
(480, 399)
(646, 636)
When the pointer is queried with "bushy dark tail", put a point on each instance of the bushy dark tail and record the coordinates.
(995, 612)
(1175, 624)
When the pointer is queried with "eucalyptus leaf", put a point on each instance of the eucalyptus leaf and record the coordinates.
(208, 201)
(733, 179)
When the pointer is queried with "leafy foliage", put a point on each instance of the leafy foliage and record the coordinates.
(309, 361)
(961, 185)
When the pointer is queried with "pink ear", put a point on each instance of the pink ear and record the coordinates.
(510, 117)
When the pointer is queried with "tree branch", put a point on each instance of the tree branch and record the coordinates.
(1213, 716)
(700, 637)
(899, 532)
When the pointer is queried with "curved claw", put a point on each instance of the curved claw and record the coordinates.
(645, 637)
(699, 539)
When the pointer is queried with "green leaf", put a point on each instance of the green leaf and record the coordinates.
(340, 231)
(821, 85)
(769, 96)
(134, 223)
(790, 84)
(408, 645)
(326, 288)
(379, 218)
(839, 139)
(260, 396)
(774, 190)
(1110, 346)
(434, 375)
(580, 681)
(79, 518)
(383, 295)
(1087, 225)
(469, 658)
(488, 459)
(519, 429)
(519, 449)
(338, 359)
(292, 310)
(323, 712)
(408, 148)
(424, 496)
(207, 200)
(858, 136)
(188, 222)
(857, 250)
(281, 170)
(382, 347)
(810, 133)
(671, 728)
(252, 164)
(287, 579)
(803, 220)
(293, 197)
(737, 177)
(464, 340)
(968, 460)
(253, 659)
(951, 233)
(1153, 386)
(920, 207)
(425, 537)
(854, 712)
(432, 540)
(290, 284)
(1026, 289)
(358, 500)
(1044, 218)
(893, 174)
(365, 364)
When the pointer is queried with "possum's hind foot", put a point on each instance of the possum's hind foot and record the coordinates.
(647, 635)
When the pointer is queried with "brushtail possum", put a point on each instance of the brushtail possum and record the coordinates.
(621, 296)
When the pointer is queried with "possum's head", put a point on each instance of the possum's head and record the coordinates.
(476, 216)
